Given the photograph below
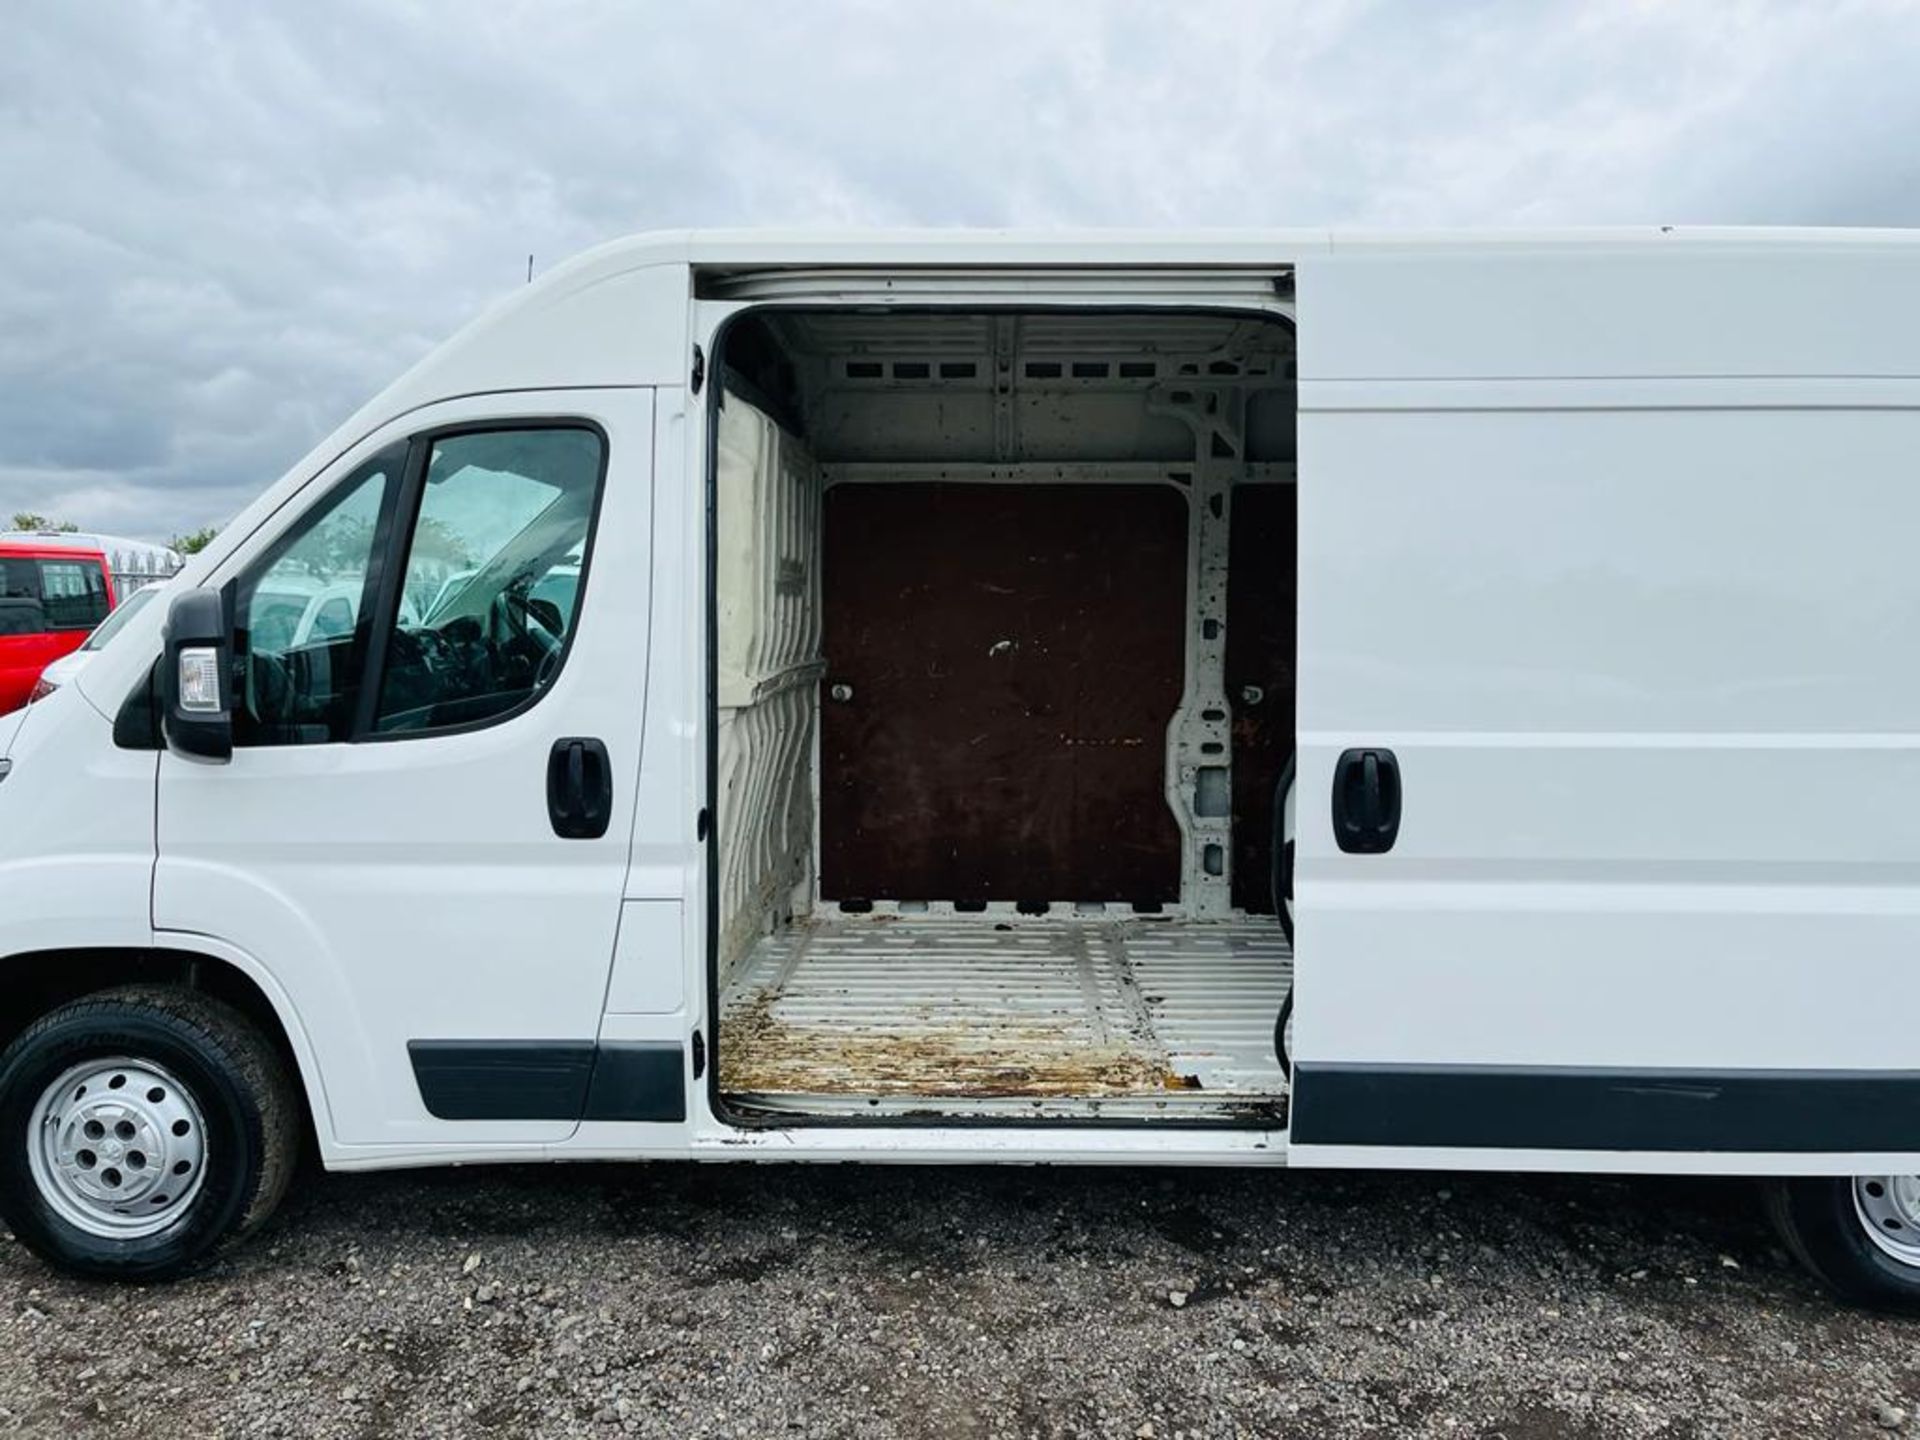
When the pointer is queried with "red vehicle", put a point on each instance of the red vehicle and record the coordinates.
(50, 597)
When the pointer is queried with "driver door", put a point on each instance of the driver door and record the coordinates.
(386, 844)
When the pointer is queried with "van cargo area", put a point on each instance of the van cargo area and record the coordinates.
(1003, 669)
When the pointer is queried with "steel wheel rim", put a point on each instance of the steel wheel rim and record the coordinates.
(1889, 1210)
(117, 1148)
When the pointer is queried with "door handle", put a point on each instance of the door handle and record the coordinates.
(1366, 801)
(579, 788)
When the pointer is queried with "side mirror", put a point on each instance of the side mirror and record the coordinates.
(196, 678)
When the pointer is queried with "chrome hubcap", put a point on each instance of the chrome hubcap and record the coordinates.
(118, 1148)
(1889, 1210)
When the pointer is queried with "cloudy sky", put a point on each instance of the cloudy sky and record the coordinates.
(224, 225)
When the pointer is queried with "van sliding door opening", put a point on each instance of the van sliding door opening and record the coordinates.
(1004, 663)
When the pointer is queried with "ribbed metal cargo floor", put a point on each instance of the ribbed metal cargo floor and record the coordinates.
(928, 1016)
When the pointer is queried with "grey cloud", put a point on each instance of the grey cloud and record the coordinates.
(222, 226)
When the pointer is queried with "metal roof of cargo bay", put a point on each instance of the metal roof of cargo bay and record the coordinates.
(730, 248)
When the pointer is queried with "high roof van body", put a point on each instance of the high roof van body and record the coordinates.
(1261, 699)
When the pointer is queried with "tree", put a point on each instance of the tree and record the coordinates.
(28, 520)
(194, 541)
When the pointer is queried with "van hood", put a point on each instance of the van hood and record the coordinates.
(66, 669)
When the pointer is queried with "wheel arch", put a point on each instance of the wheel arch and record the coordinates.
(32, 982)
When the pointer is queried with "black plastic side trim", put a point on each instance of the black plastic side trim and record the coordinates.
(550, 1079)
(503, 1079)
(639, 1080)
(1527, 1108)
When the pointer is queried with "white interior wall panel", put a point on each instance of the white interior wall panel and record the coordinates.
(768, 669)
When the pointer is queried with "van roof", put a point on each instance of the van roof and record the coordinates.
(727, 248)
(615, 315)
(774, 246)
(569, 320)
(731, 250)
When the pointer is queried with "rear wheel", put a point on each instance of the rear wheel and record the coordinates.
(1860, 1236)
(139, 1128)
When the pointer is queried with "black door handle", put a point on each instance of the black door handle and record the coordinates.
(579, 789)
(1366, 801)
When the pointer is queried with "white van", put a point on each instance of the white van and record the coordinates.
(881, 671)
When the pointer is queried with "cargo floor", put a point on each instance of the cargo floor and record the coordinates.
(972, 1016)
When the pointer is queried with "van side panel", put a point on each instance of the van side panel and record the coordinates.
(1628, 589)
(89, 888)
(1829, 303)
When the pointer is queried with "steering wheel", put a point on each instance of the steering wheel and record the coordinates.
(272, 682)
(522, 616)
(426, 653)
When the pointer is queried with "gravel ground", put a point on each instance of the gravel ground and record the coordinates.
(747, 1301)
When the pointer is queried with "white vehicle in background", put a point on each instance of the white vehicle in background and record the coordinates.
(299, 610)
(135, 565)
(62, 671)
(870, 715)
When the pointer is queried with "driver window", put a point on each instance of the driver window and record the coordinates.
(299, 649)
(487, 603)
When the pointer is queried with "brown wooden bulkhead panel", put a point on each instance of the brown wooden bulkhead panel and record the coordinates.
(1261, 587)
(1014, 653)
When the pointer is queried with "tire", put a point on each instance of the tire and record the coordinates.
(1823, 1224)
(144, 1068)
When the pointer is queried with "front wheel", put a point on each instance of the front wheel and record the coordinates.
(139, 1128)
(1860, 1236)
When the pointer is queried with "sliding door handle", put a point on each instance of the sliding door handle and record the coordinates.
(1366, 802)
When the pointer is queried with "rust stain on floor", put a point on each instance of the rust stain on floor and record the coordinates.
(933, 1056)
